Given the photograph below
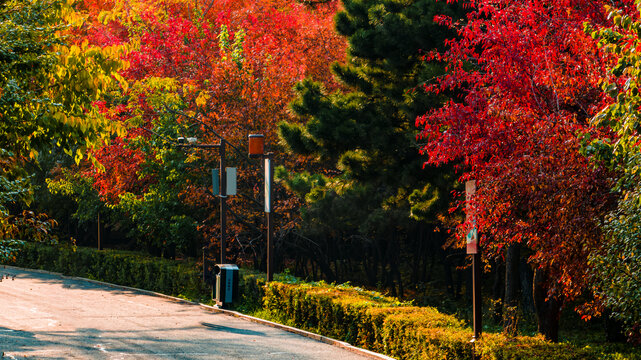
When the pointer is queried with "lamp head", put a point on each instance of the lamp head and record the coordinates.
(256, 145)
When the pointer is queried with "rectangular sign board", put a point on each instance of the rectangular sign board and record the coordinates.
(471, 238)
(231, 181)
(215, 181)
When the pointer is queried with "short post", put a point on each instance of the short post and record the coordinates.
(476, 295)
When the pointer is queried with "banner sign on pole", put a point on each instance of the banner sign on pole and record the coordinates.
(268, 185)
(470, 217)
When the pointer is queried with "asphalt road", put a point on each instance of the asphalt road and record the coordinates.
(45, 316)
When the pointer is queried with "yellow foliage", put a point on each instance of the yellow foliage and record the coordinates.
(202, 98)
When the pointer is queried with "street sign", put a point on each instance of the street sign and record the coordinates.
(472, 241)
(470, 217)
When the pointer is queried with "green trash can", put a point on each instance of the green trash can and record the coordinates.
(226, 284)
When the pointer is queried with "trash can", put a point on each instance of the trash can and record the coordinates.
(226, 283)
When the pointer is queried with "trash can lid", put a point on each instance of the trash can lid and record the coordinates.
(227, 266)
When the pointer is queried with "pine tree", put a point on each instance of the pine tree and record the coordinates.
(376, 188)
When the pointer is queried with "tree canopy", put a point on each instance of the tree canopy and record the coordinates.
(47, 86)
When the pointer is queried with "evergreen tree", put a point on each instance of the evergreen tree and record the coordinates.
(376, 191)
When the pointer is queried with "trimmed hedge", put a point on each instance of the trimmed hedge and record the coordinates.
(384, 325)
(118, 267)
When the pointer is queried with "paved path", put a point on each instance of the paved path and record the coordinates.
(45, 316)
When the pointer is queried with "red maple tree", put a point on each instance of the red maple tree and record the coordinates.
(528, 78)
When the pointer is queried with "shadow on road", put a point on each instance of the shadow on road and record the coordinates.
(232, 330)
(24, 342)
(97, 344)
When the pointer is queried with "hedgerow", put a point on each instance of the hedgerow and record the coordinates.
(385, 325)
(177, 278)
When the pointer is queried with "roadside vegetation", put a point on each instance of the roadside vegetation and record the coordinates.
(377, 112)
(364, 318)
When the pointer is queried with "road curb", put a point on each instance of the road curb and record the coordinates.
(307, 334)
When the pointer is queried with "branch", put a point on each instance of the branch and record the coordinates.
(210, 128)
(242, 220)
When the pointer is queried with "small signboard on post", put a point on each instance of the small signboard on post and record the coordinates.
(470, 217)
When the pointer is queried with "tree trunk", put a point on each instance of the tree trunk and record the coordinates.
(418, 261)
(498, 293)
(547, 309)
(326, 269)
(614, 329)
(527, 301)
(449, 280)
(512, 287)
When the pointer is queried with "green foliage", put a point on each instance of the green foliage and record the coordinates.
(367, 135)
(618, 262)
(80, 189)
(14, 229)
(12, 190)
(368, 132)
(154, 221)
(47, 85)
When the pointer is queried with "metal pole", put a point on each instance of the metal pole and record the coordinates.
(476, 294)
(270, 217)
(223, 203)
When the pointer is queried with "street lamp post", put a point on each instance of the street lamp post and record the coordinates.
(223, 204)
(257, 150)
(191, 143)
